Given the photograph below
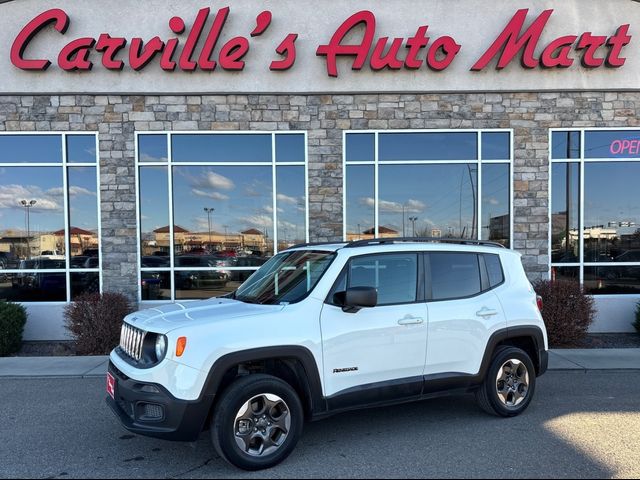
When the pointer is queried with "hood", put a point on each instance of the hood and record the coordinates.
(169, 317)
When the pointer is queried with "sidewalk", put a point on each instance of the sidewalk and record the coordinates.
(87, 367)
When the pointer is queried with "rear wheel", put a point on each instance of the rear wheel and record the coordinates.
(509, 383)
(257, 422)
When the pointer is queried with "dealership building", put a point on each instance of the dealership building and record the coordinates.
(166, 149)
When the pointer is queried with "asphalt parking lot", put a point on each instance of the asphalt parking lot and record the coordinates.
(580, 425)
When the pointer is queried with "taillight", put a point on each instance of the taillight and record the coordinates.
(539, 301)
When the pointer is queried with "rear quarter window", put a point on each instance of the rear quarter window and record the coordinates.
(494, 269)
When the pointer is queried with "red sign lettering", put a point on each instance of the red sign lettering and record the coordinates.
(436, 53)
(513, 40)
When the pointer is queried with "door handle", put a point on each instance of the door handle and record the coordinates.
(486, 312)
(410, 320)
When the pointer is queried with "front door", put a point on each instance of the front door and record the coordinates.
(376, 353)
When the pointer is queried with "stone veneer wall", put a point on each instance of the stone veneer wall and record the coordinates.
(117, 117)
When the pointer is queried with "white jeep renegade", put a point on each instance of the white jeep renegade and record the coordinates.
(325, 328)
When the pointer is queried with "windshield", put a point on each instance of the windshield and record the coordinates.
(286, 278)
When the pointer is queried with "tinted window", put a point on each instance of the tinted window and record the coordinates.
(454, 275)
(494, 270)
(395, 276)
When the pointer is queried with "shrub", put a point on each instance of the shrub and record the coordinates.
(636, 324)
(13, 318)
(567, 311)
(95, 320)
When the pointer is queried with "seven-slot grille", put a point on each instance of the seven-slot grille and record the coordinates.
(132, 340)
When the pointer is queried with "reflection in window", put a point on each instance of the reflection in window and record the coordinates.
(394, 276)
(33, 233)
(496, 206)
(221, 148)
(31, 148)
(565, 145)
(83, 215)
(454, 275)
(565, 204)
(612, 144)
(612, 280)
(223, 211)
(81, 148)
(290, 203)
(611, 212)
(496, 146)
(360, 147)
(154, 215)
(611, 219)
(423, 187)
(428, 146)
(290, 148)
(565, 273)
(216, 204)
(152, 148)
(360, 202)
(429, 200)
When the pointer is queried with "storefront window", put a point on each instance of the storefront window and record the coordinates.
(209, 205)
(49, 218)
(595, 204)
(428, 184)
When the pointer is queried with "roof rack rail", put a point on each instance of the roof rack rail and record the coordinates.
(392, 240)
(313, 244)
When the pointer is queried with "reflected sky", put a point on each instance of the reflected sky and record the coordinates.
(241, 196)
(290, 202)
(152, 148)
(428, 146)
(83, 199)
(221, 148)
(611, 194)
(42, 184)
(495, 201)
(290, 148)
(154, 199)
(31, 148)
(359, 186)
(81, 148)
(442, 197)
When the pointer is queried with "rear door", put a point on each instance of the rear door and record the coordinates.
(464, 311)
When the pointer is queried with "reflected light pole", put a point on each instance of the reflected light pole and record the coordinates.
(209, 211)
(413, 224)
(27, 205)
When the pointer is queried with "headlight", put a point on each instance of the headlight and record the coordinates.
(161, 347)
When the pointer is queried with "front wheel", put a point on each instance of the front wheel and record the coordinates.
(509, 384)
(257, 422)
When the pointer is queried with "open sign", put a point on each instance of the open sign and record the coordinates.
(625, 147)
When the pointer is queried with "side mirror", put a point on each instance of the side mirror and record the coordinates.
(356, 298)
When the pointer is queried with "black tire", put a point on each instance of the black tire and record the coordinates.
(231, 401)
(487, 395)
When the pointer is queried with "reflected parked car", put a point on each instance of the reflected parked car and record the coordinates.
(199, 279)
(8, 260)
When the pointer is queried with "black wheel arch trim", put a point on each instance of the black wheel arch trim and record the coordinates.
(310, 380)
(529, 331)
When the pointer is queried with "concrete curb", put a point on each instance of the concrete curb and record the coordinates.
(576, 360)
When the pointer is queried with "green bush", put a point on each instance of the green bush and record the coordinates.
(636, 324)
(567, 311)
(95, 320)
(13, 318)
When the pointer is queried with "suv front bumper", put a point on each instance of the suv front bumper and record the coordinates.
(149, 409)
